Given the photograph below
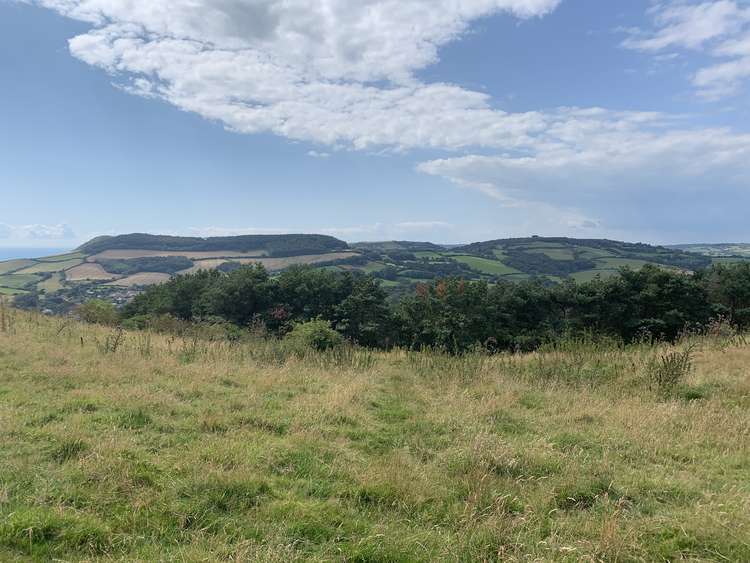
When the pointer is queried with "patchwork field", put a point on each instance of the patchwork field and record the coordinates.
(718, 250)
(272, 264)
(399, 265)
(165, 449)
(514, 260)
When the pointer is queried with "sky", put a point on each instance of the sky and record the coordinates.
(444, 120)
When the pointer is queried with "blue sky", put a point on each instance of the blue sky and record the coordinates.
(370, 120)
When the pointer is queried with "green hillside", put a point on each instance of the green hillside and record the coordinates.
(272, 245)
(733, 250)
(517, 259)
(117, 267)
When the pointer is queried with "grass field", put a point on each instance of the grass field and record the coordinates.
(143, 278)
(18, 281)
(14, 265)
(202, 255)
(62, 257)
(10, 291)
(484, 265)
(88, 271)
(52, 284)
(46, 267)
(171, 449)
(554, 253)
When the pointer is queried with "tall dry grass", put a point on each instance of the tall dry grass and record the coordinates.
(139, 446)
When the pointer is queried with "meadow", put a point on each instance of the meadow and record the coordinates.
(138, 446)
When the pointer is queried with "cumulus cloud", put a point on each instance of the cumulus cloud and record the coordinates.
(719, 28)
(207, 232)
(318, 154)
(413, 230)
(344, 74)
(36, 232)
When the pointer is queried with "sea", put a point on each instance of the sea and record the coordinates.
(12, 253)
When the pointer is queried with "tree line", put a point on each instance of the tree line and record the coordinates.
(453, 314)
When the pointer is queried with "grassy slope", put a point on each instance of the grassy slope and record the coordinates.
(607, 260)
(169, 451)
(485, 265)
(741, 249)
(478, 257)
(45, 267)
(18, 281)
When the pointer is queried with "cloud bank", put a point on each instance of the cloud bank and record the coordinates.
(36, 232)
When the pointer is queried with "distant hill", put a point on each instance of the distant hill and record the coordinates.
(116, 267)
(517, 259)
(272, 245)
(717, 250)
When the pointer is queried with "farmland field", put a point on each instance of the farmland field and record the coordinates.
(170, 450)
(88, 271)
(273, 264)
(9, 291)
(62, 257)
(144, 278)
(52, 284)
(485, 265)
(46, 267)
(130, 254)
(18, 281)
(14, 265)
(554, 253)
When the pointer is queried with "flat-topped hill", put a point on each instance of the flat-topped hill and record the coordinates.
(272, 245)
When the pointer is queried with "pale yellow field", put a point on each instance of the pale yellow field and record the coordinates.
(13, 265)
(52, 284)
(86, 272)
(128, 254)
(144, 278)
(61, 257)
(44, 267)
(272, 264)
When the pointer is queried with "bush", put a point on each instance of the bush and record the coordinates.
(315, 335)
(667, 371)
(100, 312)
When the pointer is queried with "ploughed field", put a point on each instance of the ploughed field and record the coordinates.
(143, 447)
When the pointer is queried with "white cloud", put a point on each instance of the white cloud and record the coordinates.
(318, 154)
(36, 232)
(342, 74)
(207, 232)
(334, 72)
(720, 28)
(413, 230)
